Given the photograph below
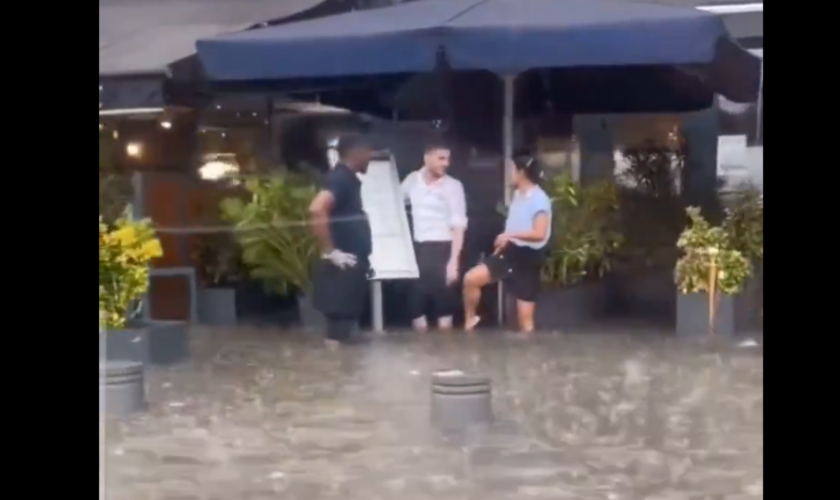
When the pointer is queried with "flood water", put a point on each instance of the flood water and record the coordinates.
(258, 414)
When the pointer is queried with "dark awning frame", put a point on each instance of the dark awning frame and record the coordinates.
(147, 47)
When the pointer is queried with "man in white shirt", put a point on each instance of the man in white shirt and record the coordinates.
(439, 217)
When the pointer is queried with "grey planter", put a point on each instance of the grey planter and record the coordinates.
(693, 315)
(217, 306)
(738, 314)
(749, 304)
(311, 319)
(121, 388)
(149, 342)
(563, 307)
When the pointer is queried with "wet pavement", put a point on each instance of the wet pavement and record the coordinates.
(259, 414)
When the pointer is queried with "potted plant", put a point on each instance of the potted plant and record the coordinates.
(744, 223)
(271, 227)
(126, 250)
(709, 274)
(220, 271)
(583, 240)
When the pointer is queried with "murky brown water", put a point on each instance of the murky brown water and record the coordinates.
(258, 415)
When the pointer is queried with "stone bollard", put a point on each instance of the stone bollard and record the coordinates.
(460, 401)
(121, 388)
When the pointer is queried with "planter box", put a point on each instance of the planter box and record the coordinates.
(735, 314)
(563, 307)
(750, 303)
(311, 319)
(149, 342)
(693, 315)
(217, 306)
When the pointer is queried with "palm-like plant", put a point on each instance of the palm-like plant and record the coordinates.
(272, 228)
(584, 236)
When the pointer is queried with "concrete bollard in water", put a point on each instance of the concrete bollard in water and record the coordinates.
(460, 401)
(121, 388)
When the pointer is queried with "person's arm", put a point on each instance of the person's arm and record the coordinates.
(457, 219)
(320, 209)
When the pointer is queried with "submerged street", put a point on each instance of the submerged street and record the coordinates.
(259, 414)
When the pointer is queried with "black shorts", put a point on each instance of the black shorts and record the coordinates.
(430, 293)
(519, 269)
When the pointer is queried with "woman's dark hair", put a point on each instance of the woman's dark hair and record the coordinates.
(530, 166)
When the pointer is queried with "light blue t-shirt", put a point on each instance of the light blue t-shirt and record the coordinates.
(523, 209)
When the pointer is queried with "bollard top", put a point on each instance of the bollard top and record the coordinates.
(457, 378)
(119, 367)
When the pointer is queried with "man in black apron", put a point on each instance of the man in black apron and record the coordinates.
(343, 232)
(439, 219)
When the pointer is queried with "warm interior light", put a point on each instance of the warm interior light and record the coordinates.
(166, 124)
(215, 170)
(134, 149)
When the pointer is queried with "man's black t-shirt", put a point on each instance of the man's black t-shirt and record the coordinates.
(349, 226)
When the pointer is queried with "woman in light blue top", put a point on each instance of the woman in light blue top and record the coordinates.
(519, 251)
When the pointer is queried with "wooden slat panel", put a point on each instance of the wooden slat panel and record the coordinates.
(169, 298)
(164, 196)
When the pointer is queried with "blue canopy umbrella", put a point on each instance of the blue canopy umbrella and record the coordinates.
(506, 37)
(503, 36)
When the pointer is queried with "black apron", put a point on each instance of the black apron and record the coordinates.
(340, 293)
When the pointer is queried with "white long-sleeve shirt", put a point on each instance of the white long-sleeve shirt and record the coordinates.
(436, 208)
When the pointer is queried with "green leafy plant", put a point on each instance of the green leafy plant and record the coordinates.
(126, 249)
(584, 233)
(654, 170)
(652, 213)
(219, 259)
(709, 263)
(744, 222)
(271, 227)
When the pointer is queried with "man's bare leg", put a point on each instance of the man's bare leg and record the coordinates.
(420, 324)
(475, 278)
(525, 315)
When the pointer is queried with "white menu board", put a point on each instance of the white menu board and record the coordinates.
(393, 250)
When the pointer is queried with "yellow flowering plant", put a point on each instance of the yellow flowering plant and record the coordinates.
(709, 261)
(126, 249)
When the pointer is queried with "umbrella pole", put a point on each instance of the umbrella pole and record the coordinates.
(760, 101)
(507, 151)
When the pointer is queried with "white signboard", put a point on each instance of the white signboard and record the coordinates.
(393, 250)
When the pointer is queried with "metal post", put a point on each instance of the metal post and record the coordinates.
(507, 152)
(137, 214)
(759, 103)
(507, 132)
(137, 208)
(377, 314)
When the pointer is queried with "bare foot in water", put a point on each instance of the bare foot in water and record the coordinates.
(470, 325)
